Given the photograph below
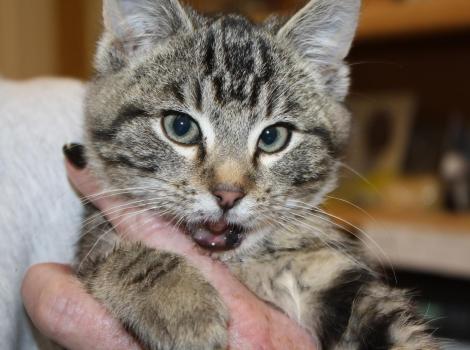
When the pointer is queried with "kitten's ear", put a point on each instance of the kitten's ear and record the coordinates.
(322, 32)
(133, 26)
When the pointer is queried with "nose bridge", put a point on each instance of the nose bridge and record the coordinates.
(231, 172)
(229, 160)
(232, 130)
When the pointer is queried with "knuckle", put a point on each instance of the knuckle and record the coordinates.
(57, 311)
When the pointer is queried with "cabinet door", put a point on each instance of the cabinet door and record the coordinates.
(28, 38)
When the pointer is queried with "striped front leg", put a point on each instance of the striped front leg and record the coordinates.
(161, 299)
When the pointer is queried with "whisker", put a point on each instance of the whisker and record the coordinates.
(113, 209)
(126, 218)
(335, 245)
(389, 63)
(362, 210)
(118, 191)
(389, 262)
(91, 249)
(306, 206)
(360, 176)
(371, 240)
(126, 233)
(117, 209)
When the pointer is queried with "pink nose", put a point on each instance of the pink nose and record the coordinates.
(228, 199)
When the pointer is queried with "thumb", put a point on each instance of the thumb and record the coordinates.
(63, 311)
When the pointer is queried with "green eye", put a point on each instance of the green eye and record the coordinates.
(181, 128)
(274, 139)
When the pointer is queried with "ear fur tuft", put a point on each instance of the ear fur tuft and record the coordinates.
(322, 32)
(133, 26)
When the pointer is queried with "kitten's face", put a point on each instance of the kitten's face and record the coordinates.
(222, 127)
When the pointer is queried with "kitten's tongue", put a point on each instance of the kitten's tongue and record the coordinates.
(219, 227)
(219, 235)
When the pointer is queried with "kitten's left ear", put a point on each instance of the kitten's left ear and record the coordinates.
(133, 26)
(322, 33)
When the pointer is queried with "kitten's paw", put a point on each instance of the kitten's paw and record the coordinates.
(181, 312)
(208, 331)
(197, 322)
(161, 299)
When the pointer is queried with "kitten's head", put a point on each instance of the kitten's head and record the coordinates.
(219, 123)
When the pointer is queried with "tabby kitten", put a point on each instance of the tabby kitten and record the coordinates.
(233, 129)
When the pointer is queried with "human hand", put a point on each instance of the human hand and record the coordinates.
(62, 310)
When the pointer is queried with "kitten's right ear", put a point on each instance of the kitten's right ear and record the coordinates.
(322, 33)
(134, 26)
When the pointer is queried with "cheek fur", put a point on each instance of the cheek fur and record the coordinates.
(205, 208)
(246, 213)
(309, 162)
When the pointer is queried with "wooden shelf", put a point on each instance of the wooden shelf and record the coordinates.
(395, 18)
(385, 18)
(430, 242)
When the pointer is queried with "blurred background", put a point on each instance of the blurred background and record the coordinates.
(406, 181)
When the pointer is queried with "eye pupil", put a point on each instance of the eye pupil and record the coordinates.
(181, 125)
(269, 136)
(274, 138)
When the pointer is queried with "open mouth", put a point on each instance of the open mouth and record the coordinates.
(218, 236)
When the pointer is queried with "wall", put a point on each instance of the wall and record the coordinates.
(47, 37)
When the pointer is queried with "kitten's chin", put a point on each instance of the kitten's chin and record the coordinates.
(219, 236)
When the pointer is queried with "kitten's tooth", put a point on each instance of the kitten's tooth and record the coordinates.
(201, 234)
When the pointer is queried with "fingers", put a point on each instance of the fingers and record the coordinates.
(63, 311)
(85, 183)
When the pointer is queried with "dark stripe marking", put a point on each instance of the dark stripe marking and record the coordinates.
(375, 334)
(255, 91)
(266, 59)
(326, 138)
(337, 303)
(155, 275)
(125, 115)
(157, 265)
(159, 268)
(322, 171)
(126, 269)
(177, 91)
(218, 84)
(201, 154)
(198, 94)
(121, 160)
(102, 135)
(209, 55)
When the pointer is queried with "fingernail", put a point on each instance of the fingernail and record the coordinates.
(75, 153)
